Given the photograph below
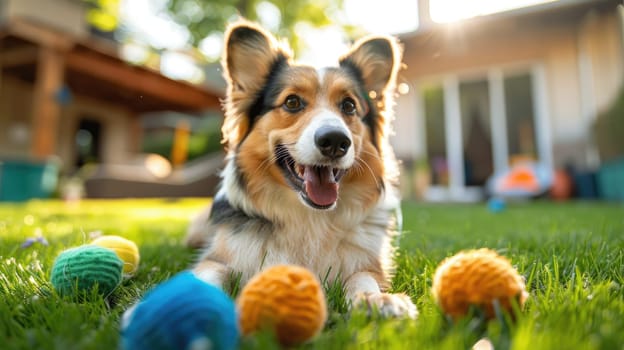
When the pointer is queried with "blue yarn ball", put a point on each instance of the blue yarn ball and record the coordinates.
(182, 313)
(496, 205)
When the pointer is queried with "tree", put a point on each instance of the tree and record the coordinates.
(103, 14)
(209, 17)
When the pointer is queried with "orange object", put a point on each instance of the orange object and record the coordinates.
(286, 299)
(562, 186)
(477, 277)
(521, 178)
(181, 137)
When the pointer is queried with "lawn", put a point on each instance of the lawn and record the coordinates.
(572, 256)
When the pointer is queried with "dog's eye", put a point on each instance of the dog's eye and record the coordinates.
(348, 106)
(293, 103)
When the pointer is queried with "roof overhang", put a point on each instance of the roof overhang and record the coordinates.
(93, 69)
(526, 19)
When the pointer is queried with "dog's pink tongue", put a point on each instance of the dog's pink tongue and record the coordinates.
(320, 185)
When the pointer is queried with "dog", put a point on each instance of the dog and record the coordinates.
(309, 178)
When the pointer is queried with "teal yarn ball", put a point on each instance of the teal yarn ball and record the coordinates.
(79, 270)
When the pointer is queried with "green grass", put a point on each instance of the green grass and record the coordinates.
(572, 256)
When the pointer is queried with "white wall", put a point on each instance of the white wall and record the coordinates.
(407, 139)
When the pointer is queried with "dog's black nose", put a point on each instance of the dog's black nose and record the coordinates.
(332, 141)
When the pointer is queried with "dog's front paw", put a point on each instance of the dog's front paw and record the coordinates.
(387, 304)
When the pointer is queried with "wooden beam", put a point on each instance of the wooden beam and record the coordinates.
(18, 56)
(141, 81)
(37, 34)
(45, 109)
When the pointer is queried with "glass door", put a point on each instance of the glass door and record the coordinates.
(474, 99)
(520, 118)
(479, 125)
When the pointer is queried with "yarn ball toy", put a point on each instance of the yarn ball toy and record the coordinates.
(181, 313)
(286, 300)
(78, 270)
(478, 278)
(125, 249)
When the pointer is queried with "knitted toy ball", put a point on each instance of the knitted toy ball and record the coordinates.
(181, 313)
(478, 278)
(287, 300)
(127, 251)
(78, 270)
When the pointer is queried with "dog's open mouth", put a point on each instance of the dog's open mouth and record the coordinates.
(317, 184)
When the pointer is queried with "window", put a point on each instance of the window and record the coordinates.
(520, 118)
(435, 133)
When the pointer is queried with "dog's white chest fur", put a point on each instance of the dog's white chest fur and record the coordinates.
(332, 244)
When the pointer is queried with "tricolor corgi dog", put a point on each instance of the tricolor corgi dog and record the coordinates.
(310, 178)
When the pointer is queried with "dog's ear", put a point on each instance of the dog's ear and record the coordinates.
(376, 60)
(249, 56)
(250, 52)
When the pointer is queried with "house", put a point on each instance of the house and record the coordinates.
(494, 90)
(67, 94)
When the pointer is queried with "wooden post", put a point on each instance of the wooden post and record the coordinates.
(45, 109)
(136, 133)
(179, 149)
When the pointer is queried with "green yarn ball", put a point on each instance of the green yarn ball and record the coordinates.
(79, 270)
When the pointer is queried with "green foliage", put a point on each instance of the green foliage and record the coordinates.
(570, 254)
(205, 17)
(103, 14)
(609, 128)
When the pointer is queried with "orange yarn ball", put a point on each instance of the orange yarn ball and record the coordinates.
(286, 299)
(477, 277)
